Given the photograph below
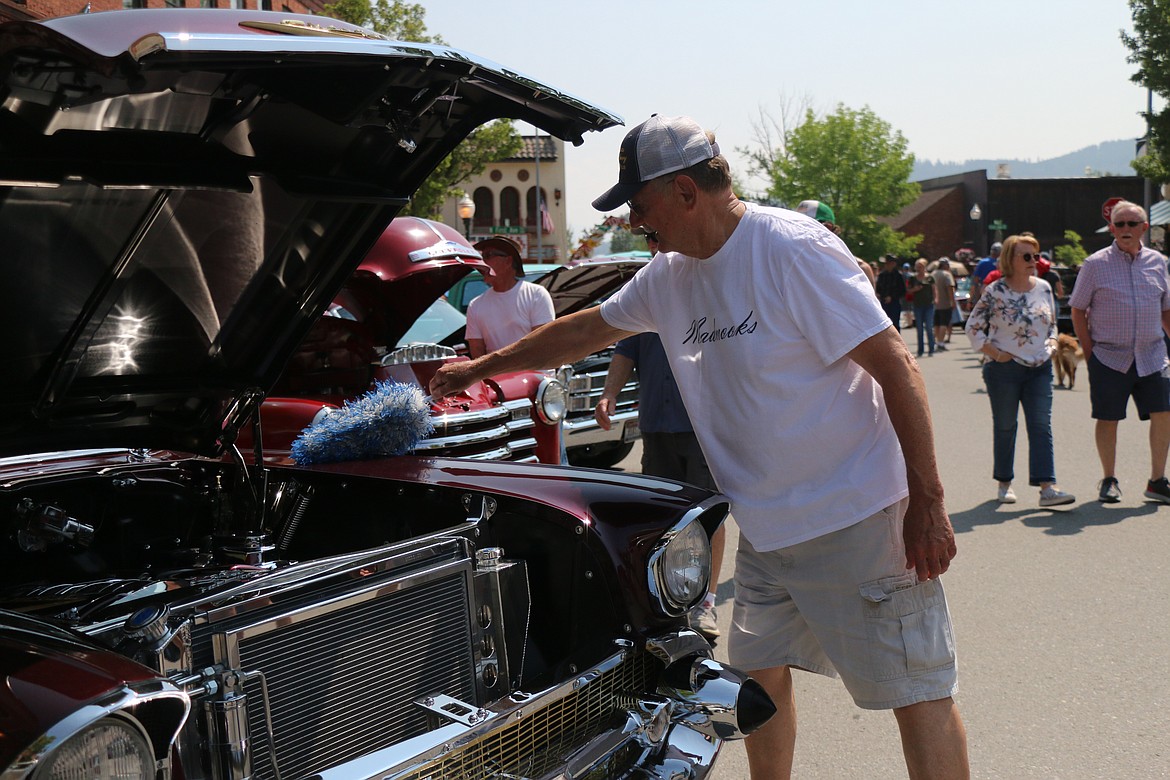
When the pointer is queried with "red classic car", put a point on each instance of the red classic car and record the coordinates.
(183, 194)
(390, 321)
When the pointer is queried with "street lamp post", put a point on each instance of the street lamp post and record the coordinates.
(976, 214)
(466, 209)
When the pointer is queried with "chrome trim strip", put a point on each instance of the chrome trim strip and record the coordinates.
(476, 437)
(583, 424)
(462, 418)
(500, 453)
(517, 445)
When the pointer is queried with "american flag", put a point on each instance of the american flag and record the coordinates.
(546, 223)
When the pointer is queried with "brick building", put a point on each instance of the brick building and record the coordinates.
(943, 214)
(45, 9)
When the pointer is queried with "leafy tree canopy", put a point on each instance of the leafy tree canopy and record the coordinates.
(1071, 253)
(1149, 48)
(853, 161)
(494, 141)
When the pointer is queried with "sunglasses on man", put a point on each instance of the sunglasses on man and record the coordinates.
(1128, 223)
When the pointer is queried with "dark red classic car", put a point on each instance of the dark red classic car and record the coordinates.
(183, 194)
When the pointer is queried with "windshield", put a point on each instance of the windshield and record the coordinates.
(439, 321)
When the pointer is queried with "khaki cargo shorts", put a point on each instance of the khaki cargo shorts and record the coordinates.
(845, 604)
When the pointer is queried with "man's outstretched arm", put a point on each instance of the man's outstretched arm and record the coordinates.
(561, 341)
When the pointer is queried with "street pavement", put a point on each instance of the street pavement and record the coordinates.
(1062, 616)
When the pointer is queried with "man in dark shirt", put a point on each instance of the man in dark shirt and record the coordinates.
(891, 290)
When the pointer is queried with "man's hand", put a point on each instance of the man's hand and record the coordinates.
(603, 410)
(453, 377)
(929, 538)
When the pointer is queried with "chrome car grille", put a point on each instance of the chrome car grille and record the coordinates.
(585, 391)
(538, 743)
(499, 433)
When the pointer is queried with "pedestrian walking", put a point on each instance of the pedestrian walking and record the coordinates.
(779, 348)
(1120, 312)
(1014, 325)
(921, 291)
(944, 302)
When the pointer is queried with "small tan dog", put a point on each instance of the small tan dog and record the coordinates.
(1068, 354)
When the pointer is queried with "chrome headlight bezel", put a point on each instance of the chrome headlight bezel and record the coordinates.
(95, 741)
(679, 568)
(552, 401)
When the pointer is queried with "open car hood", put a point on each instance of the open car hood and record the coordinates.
(182, 192)
(578, 286)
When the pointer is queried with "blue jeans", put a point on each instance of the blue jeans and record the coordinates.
(1010, 386)
(924, 319)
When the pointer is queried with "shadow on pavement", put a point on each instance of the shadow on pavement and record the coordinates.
(1064, 521)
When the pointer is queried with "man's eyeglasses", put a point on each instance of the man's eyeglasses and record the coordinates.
(1128, 223)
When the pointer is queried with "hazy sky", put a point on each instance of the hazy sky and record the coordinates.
(1018, 79)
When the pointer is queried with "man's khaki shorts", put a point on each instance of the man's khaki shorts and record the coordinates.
(845, 603)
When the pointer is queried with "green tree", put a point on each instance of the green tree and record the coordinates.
(392, 18)
(1149, 48)
(494, 141)
(854, 161)
(1072, 253)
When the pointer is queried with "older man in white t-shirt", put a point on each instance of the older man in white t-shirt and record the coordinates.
(510, 308)
(814, 420)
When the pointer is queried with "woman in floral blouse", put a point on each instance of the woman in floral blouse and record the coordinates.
(1014, 325)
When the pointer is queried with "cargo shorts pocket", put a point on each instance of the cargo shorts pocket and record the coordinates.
(907, 626)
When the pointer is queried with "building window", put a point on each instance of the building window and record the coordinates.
(510, 206)
(522, 174)
(532, 208)
(208, 4)
(134, 3)
(485, 207)
(496, 174)
(238, 4)
(265, 5)
(172, 3)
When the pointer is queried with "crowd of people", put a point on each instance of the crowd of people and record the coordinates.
(750, 322)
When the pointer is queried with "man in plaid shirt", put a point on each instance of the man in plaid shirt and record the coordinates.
(1120, 309)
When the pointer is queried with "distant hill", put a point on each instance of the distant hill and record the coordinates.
(1111, 158)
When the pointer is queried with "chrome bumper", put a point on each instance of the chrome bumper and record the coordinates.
(580, 431)
(674, 732)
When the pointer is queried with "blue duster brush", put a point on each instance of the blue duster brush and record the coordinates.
(391, 419)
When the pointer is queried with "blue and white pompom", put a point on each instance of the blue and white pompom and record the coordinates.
(390, 419)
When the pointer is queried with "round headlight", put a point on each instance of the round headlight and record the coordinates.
(681, 568)
(550, 401)
(110, 749)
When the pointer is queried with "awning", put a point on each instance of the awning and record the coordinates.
(1160, 213)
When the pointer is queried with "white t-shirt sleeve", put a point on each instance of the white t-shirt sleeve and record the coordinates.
(540, 306)
(828, 297)
(629, 308)
(474, 328)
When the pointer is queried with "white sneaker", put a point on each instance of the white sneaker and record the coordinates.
(702, 619)
(1054, 496)
(1006, 494)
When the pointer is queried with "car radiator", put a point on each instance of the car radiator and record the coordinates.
(345, 656)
